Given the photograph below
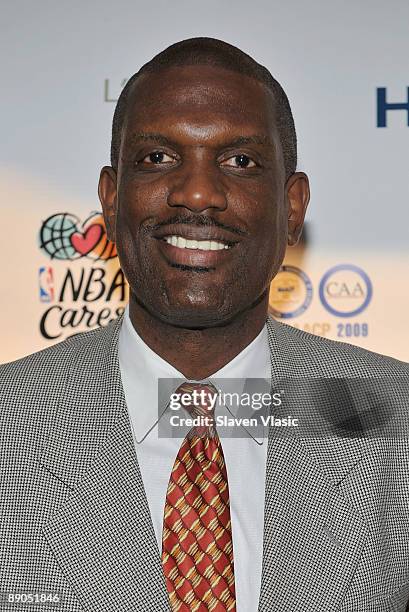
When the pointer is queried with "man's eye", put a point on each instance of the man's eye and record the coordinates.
(239, 161)
(157, 157)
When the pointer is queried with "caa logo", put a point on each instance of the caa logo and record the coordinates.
(345, 290)
(290, 293)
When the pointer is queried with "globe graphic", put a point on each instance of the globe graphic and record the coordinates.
(55, 236)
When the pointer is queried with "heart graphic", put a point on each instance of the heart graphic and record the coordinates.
(84, 243)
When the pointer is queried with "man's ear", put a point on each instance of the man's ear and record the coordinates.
(108, 197)
(298, 194)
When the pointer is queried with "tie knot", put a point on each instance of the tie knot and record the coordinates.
(197, 399)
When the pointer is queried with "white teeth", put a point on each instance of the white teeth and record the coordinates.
(181, 242)
(203, 245)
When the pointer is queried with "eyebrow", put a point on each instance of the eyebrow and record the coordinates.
(253, 139)
(163, 140)
(150, 136)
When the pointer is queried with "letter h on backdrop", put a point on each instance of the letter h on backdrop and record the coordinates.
(383, 106)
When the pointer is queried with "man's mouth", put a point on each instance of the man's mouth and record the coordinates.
(190, 252)
(188, 246)
(203, 245)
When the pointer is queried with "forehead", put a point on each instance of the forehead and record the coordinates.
(209, 100)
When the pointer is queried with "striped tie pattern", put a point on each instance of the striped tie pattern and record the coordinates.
(197, 546)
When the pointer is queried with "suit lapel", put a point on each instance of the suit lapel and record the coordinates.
(313, 538)
(101, 534)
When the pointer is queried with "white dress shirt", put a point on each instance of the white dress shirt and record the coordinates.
(245, 458)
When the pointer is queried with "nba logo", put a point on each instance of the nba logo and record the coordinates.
(46, 284)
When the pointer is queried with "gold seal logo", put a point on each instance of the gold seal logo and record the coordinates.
(290, 293)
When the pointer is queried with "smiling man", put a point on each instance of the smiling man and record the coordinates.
(101, 512)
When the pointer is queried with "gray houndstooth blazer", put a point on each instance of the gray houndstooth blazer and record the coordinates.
(75, 520)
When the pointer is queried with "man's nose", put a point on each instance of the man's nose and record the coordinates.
(198, 189)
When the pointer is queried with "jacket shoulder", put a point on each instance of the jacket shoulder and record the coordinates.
(45, 372)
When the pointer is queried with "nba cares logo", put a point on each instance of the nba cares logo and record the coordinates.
(63, 236)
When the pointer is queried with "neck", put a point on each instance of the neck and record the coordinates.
(199, 353)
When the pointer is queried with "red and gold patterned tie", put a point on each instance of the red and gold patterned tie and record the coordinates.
(197, 545)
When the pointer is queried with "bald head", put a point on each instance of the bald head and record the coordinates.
(213, 52)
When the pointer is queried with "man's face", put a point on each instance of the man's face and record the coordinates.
(199, 212)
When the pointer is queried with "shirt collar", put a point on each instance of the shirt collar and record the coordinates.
(141, 368)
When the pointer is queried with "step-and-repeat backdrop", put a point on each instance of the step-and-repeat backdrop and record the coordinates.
(344, 68)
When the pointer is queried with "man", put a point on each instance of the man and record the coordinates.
(201, 199)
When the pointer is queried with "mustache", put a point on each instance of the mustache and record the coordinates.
(194, 220)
